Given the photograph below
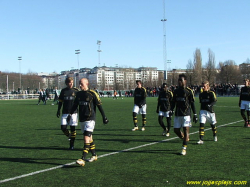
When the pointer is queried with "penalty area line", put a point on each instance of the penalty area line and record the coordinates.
(108, 154)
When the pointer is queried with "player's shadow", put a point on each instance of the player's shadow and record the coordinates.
(38, 148)
(35, 160)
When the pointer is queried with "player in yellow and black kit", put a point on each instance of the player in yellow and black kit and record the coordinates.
(244, 103)
(87, 100)
(66, 99)
(140, 105)
(207, 99)
(183, 102)
(163, 108)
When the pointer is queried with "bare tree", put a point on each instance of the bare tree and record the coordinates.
(197, 72)
(229, 72)
(190, 72)
(209, 70)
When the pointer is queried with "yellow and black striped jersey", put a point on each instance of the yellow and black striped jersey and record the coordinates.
(183, 97)
(87, 102)
(207, 100)
(67, 97)
(140, 95)
(164, 100)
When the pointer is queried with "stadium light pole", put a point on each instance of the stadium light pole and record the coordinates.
(99, 51)
(168, 61)
(77, 52)
(19, 59)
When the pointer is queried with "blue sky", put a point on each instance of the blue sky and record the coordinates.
(47, 33)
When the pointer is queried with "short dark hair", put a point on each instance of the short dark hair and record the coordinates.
(164, 85)
(68, 80)
(183, 75)
(138, 81)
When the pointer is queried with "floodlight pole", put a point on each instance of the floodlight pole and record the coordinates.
(19, 59)
(164, 40)
(77, 52)
(99, 51)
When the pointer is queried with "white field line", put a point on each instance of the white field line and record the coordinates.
(108, 154)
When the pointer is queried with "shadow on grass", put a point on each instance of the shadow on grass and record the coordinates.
(39, 148)
(35, 160)
(138, 140)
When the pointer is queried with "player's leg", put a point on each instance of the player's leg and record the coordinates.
(160, 120)
(203, 118)
(144, 120)
(177, 127)
(39, 99)
(64, 125)
(72, 137)
(134, 114)
(248, 114)
(214, 129)
(87, 137)
(73, 123)
(213, 125)
(243, 108)
(92, 150)
(201, 133)
(168, 125)
(242, 112)
(65, 130)
(135, 121)
(185, 140)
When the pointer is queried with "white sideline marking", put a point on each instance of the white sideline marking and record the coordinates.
(108, 154)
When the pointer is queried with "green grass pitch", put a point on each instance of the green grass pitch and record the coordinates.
(34, 151)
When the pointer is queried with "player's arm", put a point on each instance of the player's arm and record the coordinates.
(240, 97)
(213, 100)
(195, 118)
(98, 103)
(74, 106)
(60, 102)
(158, 104)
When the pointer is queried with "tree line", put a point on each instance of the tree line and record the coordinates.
(29, 81)
(224, 73)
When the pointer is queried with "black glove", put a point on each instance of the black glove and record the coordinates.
(171, 113)
(58, 113)
(105, 120)
(68, 118)
(157, 110)
(140, 106)
(195, 118)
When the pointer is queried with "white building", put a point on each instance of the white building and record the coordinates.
(113, 78)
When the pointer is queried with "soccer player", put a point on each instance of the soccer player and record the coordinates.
(115, 95)
(56, 96)
(207, 99)
(183, 102)
(40, 98)
(163, 108)
(87, 100)
(66, 99)
(244, 103)
(140, 105)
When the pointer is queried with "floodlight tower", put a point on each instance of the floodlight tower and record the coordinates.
(164, 42)
(99, 51)
(77, 52)
(19, 59)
